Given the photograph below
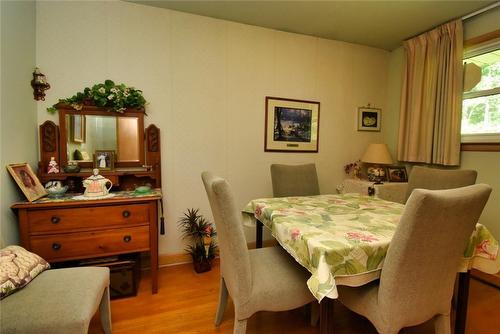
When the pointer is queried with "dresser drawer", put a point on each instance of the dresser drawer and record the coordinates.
(66, 246)
(64, 220)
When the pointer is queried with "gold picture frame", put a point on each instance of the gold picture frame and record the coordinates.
(291, 125)
(27, 181)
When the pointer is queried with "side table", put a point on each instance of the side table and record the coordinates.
(390, 191)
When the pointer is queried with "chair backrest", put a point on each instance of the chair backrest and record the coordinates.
(436, 179)
(235, 260)
(419, 271)
(294, 180)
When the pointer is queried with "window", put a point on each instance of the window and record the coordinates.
(481, 99)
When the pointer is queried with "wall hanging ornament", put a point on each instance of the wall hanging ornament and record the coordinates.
(39, 84)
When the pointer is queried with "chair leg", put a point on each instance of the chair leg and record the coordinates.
(221, 307)
(105, 311)
(240, 326)
(442, 324)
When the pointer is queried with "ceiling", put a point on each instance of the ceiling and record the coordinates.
(381, 24)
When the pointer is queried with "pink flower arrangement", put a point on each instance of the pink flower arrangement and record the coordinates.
(353, 169)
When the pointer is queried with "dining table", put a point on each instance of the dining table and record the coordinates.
(343, 239)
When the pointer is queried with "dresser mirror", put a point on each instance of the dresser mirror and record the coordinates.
(84, 133)
(87, 133)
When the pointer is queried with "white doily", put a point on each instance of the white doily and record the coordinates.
(86, 198)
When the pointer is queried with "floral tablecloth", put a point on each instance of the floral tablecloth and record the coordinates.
(347, 235)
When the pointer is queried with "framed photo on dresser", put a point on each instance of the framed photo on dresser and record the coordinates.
(397, 174)
(27, 181)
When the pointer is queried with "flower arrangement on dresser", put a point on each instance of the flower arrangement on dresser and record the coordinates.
(201, 232)
(108, 95)
(353, 169)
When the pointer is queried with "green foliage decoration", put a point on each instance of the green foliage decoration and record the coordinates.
(108, 94)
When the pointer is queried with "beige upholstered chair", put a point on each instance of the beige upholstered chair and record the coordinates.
(58, 301)
(294, 180)
(264, 279)
(435, 179)
(417, 279)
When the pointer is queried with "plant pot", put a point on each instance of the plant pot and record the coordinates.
(202, 266)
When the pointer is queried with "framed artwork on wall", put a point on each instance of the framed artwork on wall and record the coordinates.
(27, 181)
(291, 125)
(368, 119)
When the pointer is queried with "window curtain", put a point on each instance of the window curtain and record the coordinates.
(431, 100)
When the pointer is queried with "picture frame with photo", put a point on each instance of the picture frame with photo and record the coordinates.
(369, 119)
(27, 181)
(104, 159)
(291, 125)
(397, 174)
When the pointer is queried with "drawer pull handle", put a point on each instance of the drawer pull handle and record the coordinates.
(56, 246)
(126, 214)
(55, 220)
(127, 238)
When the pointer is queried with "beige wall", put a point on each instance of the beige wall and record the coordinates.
(206, 81)
(487, 164)
(482, 24)
(18, 118)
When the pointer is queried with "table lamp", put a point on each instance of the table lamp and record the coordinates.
(376, 154)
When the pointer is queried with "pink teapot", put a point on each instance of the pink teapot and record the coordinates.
(95, 185)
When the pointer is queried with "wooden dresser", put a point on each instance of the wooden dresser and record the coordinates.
(67, 229)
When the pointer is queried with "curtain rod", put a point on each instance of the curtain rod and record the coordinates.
(480, 11)
(465, 17)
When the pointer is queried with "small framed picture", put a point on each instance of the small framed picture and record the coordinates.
(78, 128)
(368, 119)
(291, 125)
(104, 160)
(397, 174)
(27, 181)
(376, 174)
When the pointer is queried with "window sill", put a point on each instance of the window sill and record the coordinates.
(480, 147)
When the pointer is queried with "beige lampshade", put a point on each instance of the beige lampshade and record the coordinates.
(377, 154)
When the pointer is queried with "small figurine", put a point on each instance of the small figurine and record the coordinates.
(53, 167)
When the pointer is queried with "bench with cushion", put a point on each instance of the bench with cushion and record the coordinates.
(55, 301)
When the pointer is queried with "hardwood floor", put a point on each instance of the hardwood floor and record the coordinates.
(186, 303)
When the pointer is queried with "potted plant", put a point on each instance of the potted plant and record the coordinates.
(201, 232)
